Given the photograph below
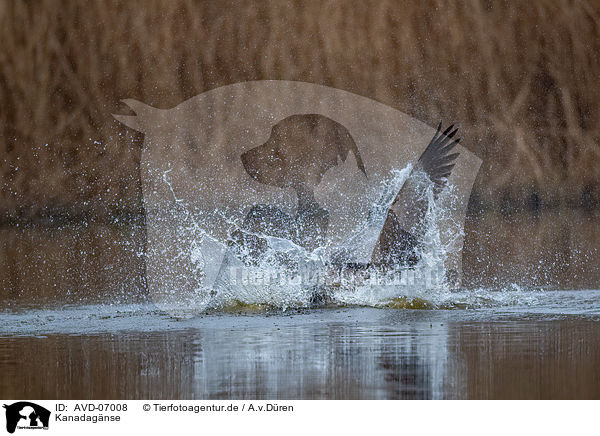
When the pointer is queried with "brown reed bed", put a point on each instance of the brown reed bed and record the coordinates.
(520, 78)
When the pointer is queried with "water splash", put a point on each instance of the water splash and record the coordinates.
(288, 275)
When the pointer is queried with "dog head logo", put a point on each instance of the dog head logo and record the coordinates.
(265, 170)
(26, 415)
(299, 152)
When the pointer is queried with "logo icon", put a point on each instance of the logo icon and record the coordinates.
(279, 177)
(26, 415)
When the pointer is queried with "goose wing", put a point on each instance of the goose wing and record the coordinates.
(404, 226)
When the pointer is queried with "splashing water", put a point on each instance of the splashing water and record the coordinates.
(290, 276)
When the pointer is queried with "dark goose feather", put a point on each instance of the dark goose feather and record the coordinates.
(404, 227)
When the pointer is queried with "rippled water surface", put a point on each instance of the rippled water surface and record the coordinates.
(502, 344)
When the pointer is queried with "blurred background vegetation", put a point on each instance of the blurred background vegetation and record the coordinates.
(520, 78)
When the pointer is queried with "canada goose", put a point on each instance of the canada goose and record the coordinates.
(404, 228)
(191, 171)
(300, 149)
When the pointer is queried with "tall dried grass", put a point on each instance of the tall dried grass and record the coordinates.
(520, 78)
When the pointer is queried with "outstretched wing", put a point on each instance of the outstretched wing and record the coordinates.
(404, 226)
(436, 161)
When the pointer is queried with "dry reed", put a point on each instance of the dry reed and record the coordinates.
(520, 78)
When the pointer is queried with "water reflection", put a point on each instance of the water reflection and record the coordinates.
(556, 248)
(523, 360)
(74, 263)
(335, 361)
(396, 354)
(403, 355)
